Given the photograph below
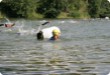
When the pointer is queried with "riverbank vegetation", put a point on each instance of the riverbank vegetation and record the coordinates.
(32, 9)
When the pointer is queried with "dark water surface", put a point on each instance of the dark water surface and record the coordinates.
(83, 49)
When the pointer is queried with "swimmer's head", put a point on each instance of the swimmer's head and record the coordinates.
(56, 32)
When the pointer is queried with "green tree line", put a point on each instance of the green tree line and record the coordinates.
(55, 8)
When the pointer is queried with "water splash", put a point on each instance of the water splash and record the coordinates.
(0, 73)
(6, 21)
(23, 29)
(108, 73)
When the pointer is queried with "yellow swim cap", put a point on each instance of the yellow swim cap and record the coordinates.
(56, 32)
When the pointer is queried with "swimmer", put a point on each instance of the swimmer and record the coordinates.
(56, 34)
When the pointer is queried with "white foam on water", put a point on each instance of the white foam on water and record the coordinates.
(42, 21)
(23, 31)
(20, 28)
(5, 21)
(62, 22)
(72, 21)
(108, 73)
(1, 74)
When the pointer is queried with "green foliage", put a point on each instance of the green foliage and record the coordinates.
(50, 8)
(94, 8)
(18, 8)
(54, 8)
(74, 14)
(51, 13)
(105, 9)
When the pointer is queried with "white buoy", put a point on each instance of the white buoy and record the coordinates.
(47, 32)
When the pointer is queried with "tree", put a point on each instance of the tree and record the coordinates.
(52, 7)
(105, 9)
(94, 8)
(18, 8)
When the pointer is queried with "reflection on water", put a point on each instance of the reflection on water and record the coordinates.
(83, 49)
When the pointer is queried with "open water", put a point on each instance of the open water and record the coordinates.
(83, 48)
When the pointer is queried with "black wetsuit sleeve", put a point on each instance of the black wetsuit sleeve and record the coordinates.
(1, 24)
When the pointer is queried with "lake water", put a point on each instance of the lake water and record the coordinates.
(83, 48)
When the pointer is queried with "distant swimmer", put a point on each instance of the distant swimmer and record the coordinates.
(8, 25)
